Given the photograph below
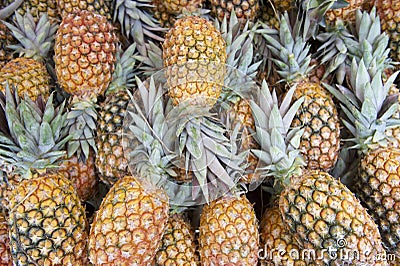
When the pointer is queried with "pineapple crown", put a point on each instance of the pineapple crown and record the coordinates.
(365, 40)
(208, 149)
(279, 152)
(137, 22)
(290, 51)
(81, 124)
(124, 74)
(35, 40)
(32, 133)
(367, 106)
(146, 137)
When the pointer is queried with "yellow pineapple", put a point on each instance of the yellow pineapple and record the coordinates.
(81, 174)
(245, 10)
(178, 6)
(85, 49)
(347, 13)
(28, 71)
(316, 208)
(194, 54)
(278, 245)
(46, 220)
(318, 114)
(377, 179)
(111, 161)
(228, 232)
(178, 245)
(129, 224)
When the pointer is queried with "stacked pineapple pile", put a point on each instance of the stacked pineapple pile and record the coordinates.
(199, 132)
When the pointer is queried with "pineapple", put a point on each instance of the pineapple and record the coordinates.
(129, 225)
(111, 162)
(100, 7)
(277, 243)
(346, 13)
(194, 54)
(37, 8)
(85, 48)
(161, 13)
(178, 6)
(5, 254)
(138, 22)
(318, 115)
(6, 39)
(244, 9)
(389, 12)
(240, 50)
(29, 70)
(317, 209)
(47, 221)
(228, 232)
(377, 180)
(81, 174)
(59, 236)
(178, 246)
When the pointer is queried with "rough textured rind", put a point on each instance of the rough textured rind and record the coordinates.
(129, 225)
(229, 232)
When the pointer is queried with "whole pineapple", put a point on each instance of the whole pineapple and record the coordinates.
(178, 6)
(59, 237)
(194, 54)
(377, 180)
(228, 232)
(317, 209)
(28, 71)
(101, 7)
(318, 115)
(178, 245)
(129, 225)
(85, 48)
(47, 221)
(111, 162)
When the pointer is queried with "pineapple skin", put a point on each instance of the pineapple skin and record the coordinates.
(244, 9)
(389, 13)
(128, 227)
(228, 232)
(85, 48)
(177, 6)
(191, 47)
(6, 39)
(320, 143)
(160, 12)
(240, 113)
(100, 7)
(321, 212)
(38, 8)
(47, 223)
(5, 254)
(178, 245)
(82, 175)
(275, 237)
(110, 162)
(29, 75)
(378, 187)
(347, 14)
